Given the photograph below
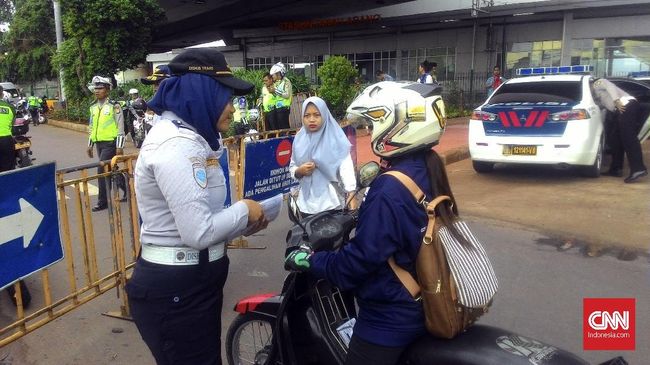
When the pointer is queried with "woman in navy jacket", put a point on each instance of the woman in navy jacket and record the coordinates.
(391, 223)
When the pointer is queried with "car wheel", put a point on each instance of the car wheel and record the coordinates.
(482, 166)
(594, 170)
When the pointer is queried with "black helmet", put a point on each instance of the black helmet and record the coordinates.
(139, 104)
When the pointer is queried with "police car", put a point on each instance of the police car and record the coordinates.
(549, 117)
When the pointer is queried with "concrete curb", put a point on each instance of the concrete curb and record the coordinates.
(68, 125)
(455, 154)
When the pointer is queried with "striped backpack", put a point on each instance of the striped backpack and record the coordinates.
(455, 282)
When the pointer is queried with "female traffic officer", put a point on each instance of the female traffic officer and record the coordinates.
(391, 223)
(176, 291)
(321, 160)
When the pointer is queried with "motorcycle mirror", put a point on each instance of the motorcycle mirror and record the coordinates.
(367, 173)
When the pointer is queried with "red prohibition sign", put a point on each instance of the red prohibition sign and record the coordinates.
(283, 153)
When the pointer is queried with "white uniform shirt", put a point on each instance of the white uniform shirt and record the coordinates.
(180, 189)
(333, 198)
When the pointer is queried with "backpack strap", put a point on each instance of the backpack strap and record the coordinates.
(404, 276)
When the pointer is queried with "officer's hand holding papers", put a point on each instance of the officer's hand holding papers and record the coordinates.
(260, 214)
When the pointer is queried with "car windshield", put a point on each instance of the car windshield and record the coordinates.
(552, 91)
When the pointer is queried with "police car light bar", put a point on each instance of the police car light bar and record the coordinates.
(531, 71)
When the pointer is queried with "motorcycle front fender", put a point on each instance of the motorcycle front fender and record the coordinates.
(264, 304)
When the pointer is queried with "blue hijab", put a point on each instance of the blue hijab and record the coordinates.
(197, 99)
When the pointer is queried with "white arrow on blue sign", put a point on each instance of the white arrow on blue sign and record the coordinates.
(29, 222)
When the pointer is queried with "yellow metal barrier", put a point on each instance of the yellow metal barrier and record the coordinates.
(90, 240)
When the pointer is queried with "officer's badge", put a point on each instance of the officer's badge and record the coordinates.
(200, 176)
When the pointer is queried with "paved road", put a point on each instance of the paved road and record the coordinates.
(541, 289)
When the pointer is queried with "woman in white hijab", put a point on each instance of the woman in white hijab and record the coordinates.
(321, 161)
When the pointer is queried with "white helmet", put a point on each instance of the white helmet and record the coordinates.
(405, 116)
(133, 91)
(99, 80)
(278, 67)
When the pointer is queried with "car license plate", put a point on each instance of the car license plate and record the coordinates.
(520, 150)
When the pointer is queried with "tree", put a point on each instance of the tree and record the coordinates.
(103, 37)
(30, 42)
(337, 84)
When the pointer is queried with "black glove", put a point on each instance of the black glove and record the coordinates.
(298, 260)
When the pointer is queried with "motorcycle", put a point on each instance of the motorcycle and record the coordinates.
(311, 321)
(141, 121)
(23, 142)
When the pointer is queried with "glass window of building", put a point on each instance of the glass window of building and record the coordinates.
(534, 54)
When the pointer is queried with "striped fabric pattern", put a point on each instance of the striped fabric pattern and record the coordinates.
(470, 267)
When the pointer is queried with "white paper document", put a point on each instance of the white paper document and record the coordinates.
(272, 207)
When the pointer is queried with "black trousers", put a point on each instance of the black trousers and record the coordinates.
(33, 111)
(365, 353)
(106, 150)
(7, 153)
(278, 119)
(177, 309)
(624, 139)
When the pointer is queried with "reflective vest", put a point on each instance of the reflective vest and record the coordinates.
(268, 100)
(281, 102)
(34, 101)
(103, 126)
(6, 119)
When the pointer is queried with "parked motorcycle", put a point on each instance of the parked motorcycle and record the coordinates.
(311, 321)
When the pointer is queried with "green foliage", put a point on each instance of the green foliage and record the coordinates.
(30, 43)
(76, 111)
(300, 83)
(337, 76)
(145, 91)
(102, 37)
(7, 10)
(255, 78)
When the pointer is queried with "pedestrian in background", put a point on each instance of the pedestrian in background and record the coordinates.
(623, 138)
(321, 161)
(106, 125)
(283, 91)
(494, 81)
(176, 291)
(382, 76)
(268, 100)
(424, 70)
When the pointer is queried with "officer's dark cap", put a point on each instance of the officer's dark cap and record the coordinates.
(160, 73)
(210, 62)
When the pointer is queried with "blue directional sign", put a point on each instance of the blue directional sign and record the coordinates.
(29, 222)
(266, 168)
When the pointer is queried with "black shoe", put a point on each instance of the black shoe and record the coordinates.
(635, 175)
(99, 207)
(123, 199)
(615, 172)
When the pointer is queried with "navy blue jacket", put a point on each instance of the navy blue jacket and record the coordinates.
(391, 223)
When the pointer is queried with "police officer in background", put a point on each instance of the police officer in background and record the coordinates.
(268, 99)
(176, 291)
(106, 133)
(282, 91)
(7, 144)
(34, 102)
(623, 139)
